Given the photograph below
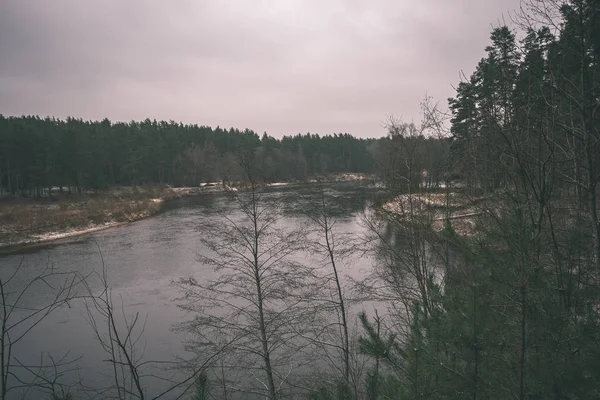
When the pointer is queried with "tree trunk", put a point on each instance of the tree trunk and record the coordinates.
(475, 344)
(523, 344)
(265, 340)
(593, 205)
(261, 317)
(330, 251)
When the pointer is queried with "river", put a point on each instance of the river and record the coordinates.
(142, 260)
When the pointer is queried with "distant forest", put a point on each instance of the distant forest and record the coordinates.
(36, 154)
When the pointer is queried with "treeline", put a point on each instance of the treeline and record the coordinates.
(533, 101)
(503, 301)
(36, 154)
(528, 118)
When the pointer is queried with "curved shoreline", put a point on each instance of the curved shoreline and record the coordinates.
(176, 193)
(46, 239)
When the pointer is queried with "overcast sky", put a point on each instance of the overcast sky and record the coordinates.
(281, 66)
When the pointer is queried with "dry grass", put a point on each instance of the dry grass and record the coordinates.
(435, 208)
(23, 220)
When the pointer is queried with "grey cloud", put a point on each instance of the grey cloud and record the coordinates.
(283, 66)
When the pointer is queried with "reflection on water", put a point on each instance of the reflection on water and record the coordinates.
(143, 259)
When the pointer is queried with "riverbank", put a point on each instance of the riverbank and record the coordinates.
(435, 208)
(26, 222)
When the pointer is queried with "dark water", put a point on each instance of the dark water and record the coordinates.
(142, 260)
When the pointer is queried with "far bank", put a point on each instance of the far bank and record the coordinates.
(27, 221)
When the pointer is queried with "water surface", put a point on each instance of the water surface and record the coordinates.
(142, 259)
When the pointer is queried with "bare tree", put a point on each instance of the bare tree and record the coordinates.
(48, 377)
(120, 344)
(412, 257)
(331, 247)
(122, 339)
(402, 229)
(255, 297)
(19, 317)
